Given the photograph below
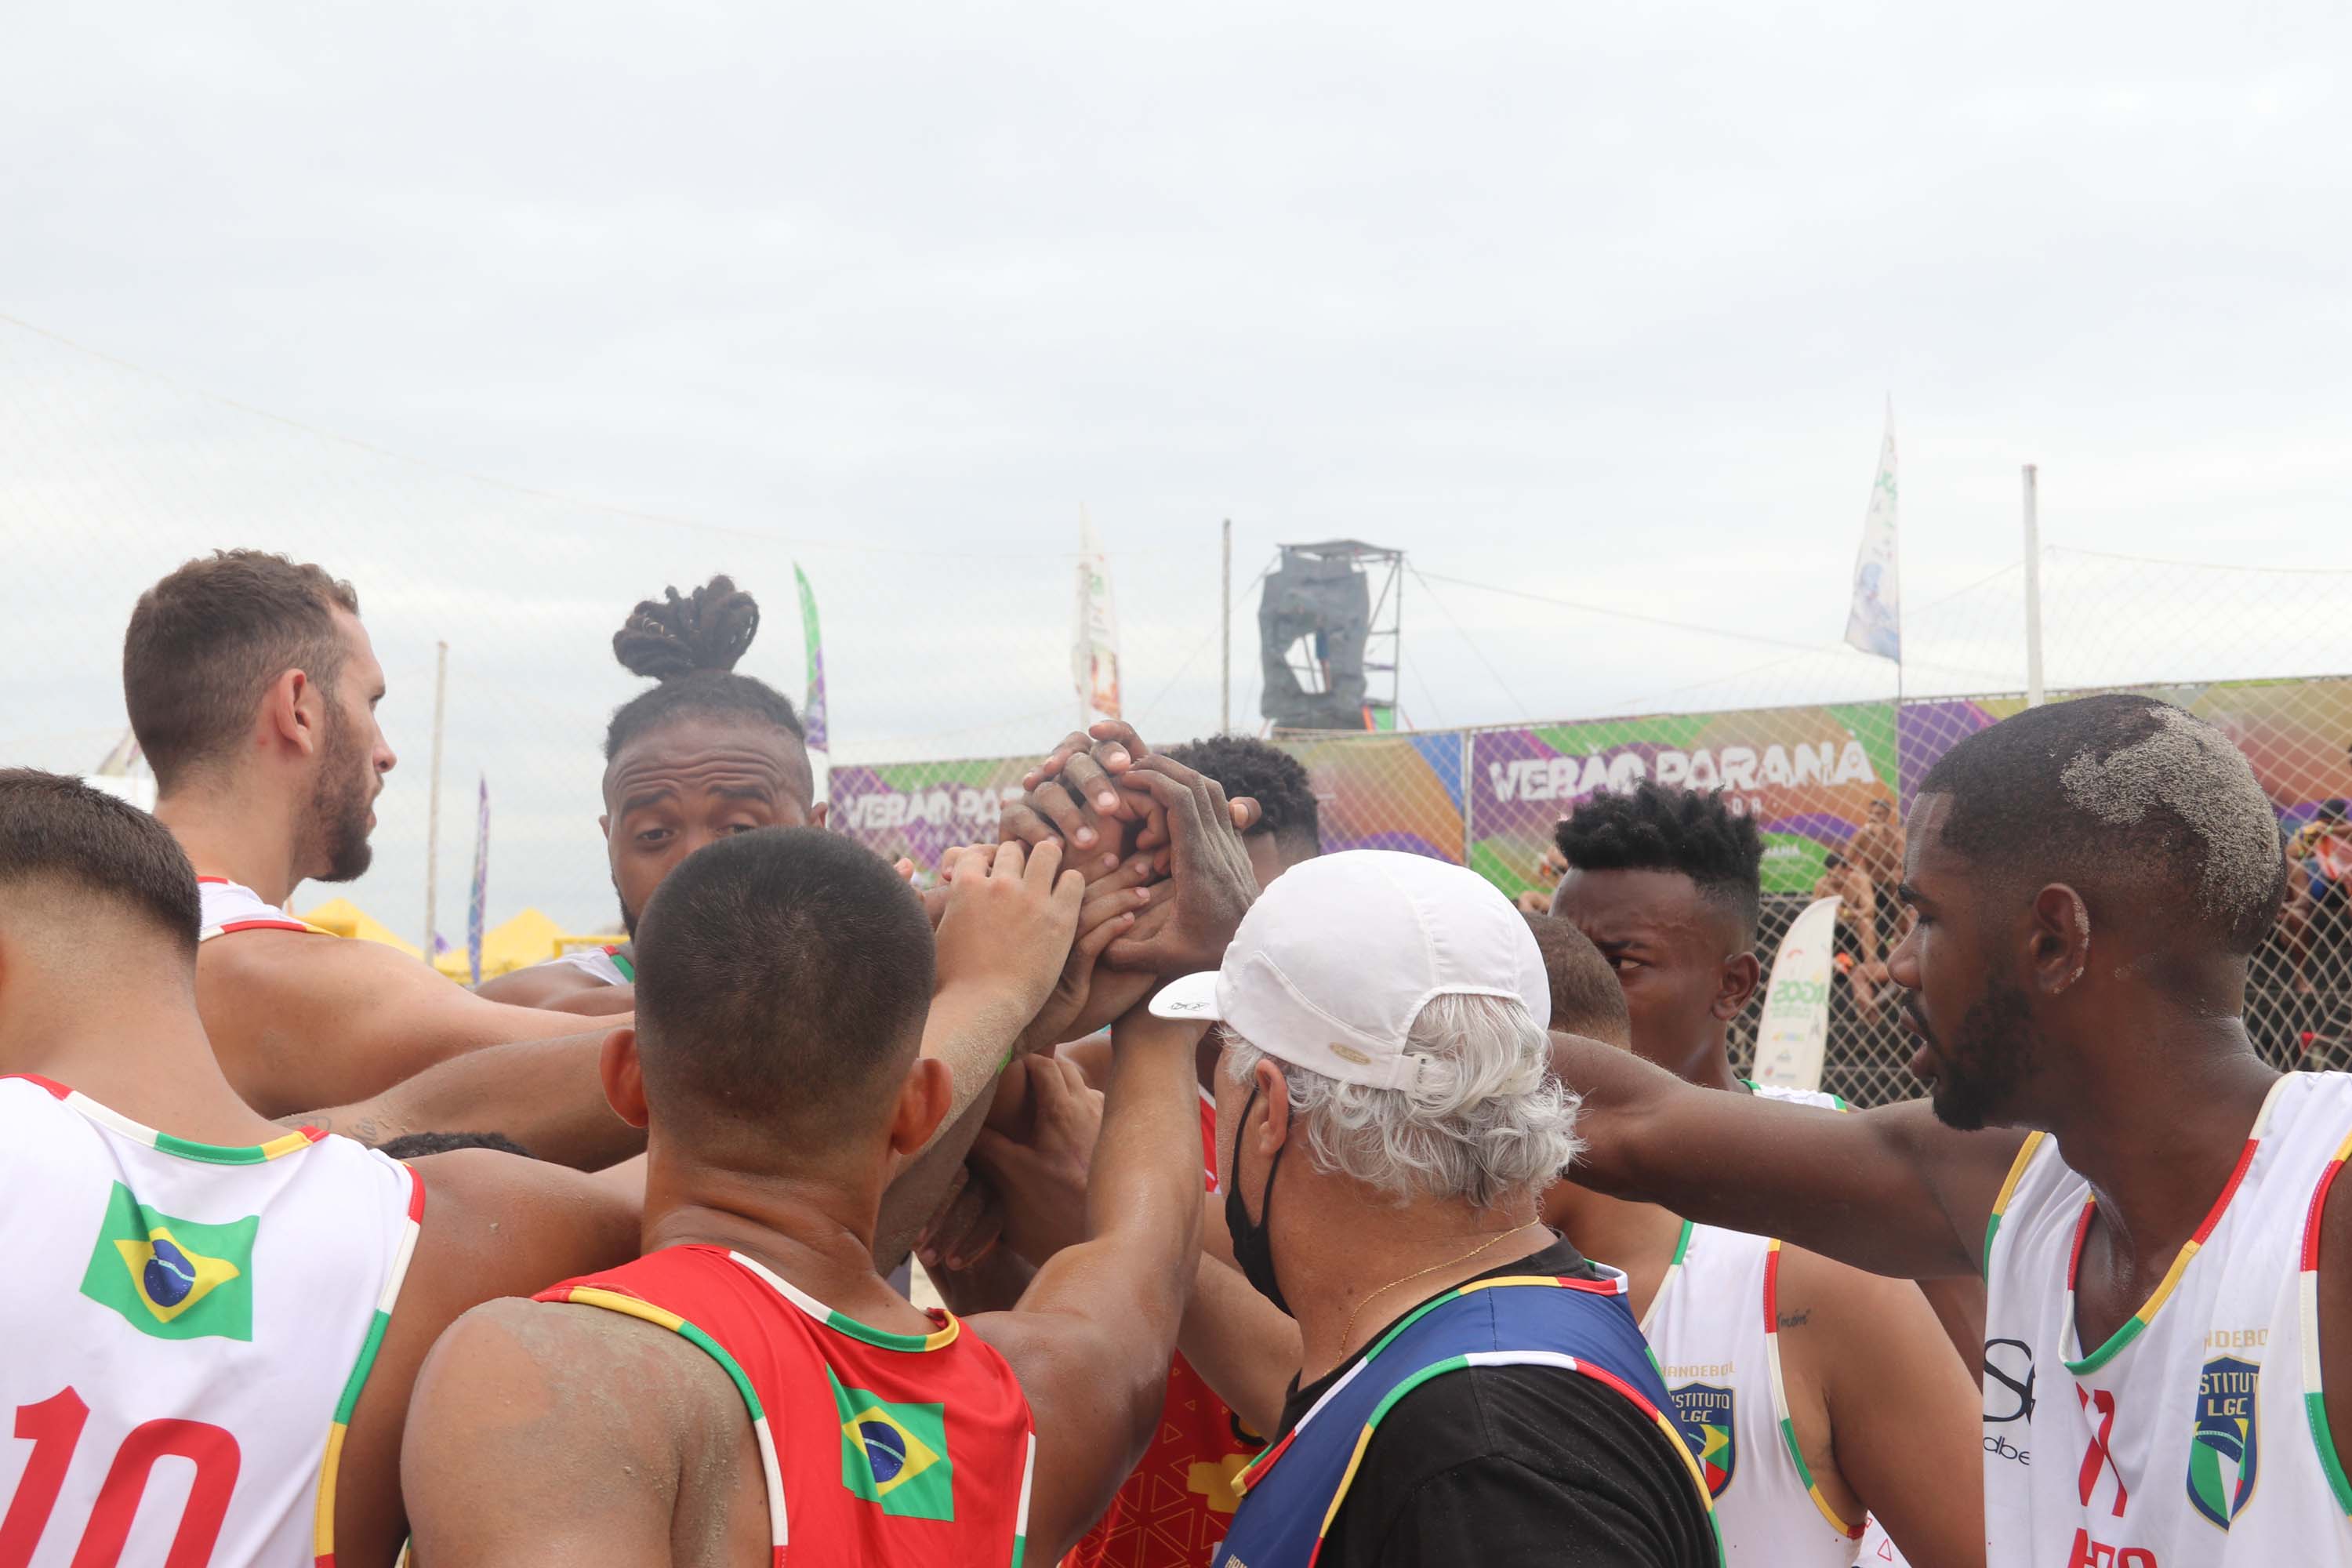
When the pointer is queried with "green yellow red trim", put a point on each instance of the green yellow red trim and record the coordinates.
(2314, 1393)
(1780, 1395)
(2025, 1153)
(2138, 1322)
(323, 1520)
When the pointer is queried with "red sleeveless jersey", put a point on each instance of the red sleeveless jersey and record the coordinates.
(1176, 1506)
(877, 1448)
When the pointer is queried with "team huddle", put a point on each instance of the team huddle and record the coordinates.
(1288, 1208)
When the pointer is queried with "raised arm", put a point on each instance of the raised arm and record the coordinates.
(1892, 1191)
(1091, 1338)
(300, 1020)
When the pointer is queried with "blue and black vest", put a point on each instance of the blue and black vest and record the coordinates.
(1292, 1492)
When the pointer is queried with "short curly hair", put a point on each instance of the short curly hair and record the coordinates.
(1657, 827)
(1243, 765)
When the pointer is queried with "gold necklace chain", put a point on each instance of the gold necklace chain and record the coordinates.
(1347, 1336)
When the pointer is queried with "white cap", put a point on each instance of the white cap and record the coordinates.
(1337, 957)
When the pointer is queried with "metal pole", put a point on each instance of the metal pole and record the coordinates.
(1225, 624)
(433, 798)
(2033, 694)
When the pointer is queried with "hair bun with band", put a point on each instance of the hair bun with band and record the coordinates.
(709, 629)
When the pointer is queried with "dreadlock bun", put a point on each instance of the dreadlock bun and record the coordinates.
(709, 630)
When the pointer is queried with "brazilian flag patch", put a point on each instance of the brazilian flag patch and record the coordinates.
(895, 1455)
(173, 1279)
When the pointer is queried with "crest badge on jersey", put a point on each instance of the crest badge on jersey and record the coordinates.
(895, 1455)
(173, 1279)
(2221, 1457)
(1703, 1417)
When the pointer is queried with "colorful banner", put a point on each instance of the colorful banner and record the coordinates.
(1387, 792)
(812, 650)
(1794, 1033)
(1807, 774)
(2293, 733)
(1874, 623)
(920, 810)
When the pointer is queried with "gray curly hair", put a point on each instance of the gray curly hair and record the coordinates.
(1485, 1121)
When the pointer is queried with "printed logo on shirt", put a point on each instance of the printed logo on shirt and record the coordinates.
(2221, 1444)
(2009, 1364)
(1703, 1415)
(173, 1279)
(895, 1455)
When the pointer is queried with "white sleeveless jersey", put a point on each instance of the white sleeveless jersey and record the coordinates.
(1878, 1550)
(1821, 1097)
(231, 907)
(188, 1328)
(602, 965)
(1714, 1327)
(2196, 1437)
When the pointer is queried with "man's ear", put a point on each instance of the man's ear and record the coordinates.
(623, 1076)
(1736, 985)
(292, 711)
(923, 1101)
(604, 826)
(1273, 1108)
(819, 812)
(2058, 939)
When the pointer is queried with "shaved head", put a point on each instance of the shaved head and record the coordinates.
(2139, 804)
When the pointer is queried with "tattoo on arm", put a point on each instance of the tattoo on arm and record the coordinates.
(1796, 1320)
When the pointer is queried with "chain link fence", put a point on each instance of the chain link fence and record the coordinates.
(958, 649)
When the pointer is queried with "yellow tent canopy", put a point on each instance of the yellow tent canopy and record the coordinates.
(530, 937)
(345, 918)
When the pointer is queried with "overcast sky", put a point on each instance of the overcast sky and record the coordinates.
(1600, 304)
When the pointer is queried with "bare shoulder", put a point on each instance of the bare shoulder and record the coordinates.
(510, 1220)
(536, 1421)
(1819, 1298)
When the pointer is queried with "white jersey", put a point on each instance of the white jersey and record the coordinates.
(186, 1323)
(233, 907)
(1821, 1097)
(602, 965)
(1878, 1550)
(1714, 1327)
(2196, 1437)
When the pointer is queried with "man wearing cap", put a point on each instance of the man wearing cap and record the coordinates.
(1472, 1388)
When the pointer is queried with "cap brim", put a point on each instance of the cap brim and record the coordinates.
(1193, 997)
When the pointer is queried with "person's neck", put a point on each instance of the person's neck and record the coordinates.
(144, 1055)
(1351, 1262)
(239, 830)
(807, 1227)
(1636, 1237)
(2157, 1143)
(1706, 1064)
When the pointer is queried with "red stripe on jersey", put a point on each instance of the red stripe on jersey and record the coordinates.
(56, 1090)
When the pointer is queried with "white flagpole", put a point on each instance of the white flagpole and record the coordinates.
(2033, 691)
(432, 793)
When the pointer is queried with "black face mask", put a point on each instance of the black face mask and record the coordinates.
(1253, 1243)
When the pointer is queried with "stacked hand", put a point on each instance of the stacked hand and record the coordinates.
(1007, 922)
(1113, 799)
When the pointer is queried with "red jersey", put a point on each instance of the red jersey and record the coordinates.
(877, 1448)
(1175, 1507)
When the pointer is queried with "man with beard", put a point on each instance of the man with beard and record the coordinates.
(1810, 1392)
(252, 690)
(2168, 1255)
(705, 753)
(1667, 884)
